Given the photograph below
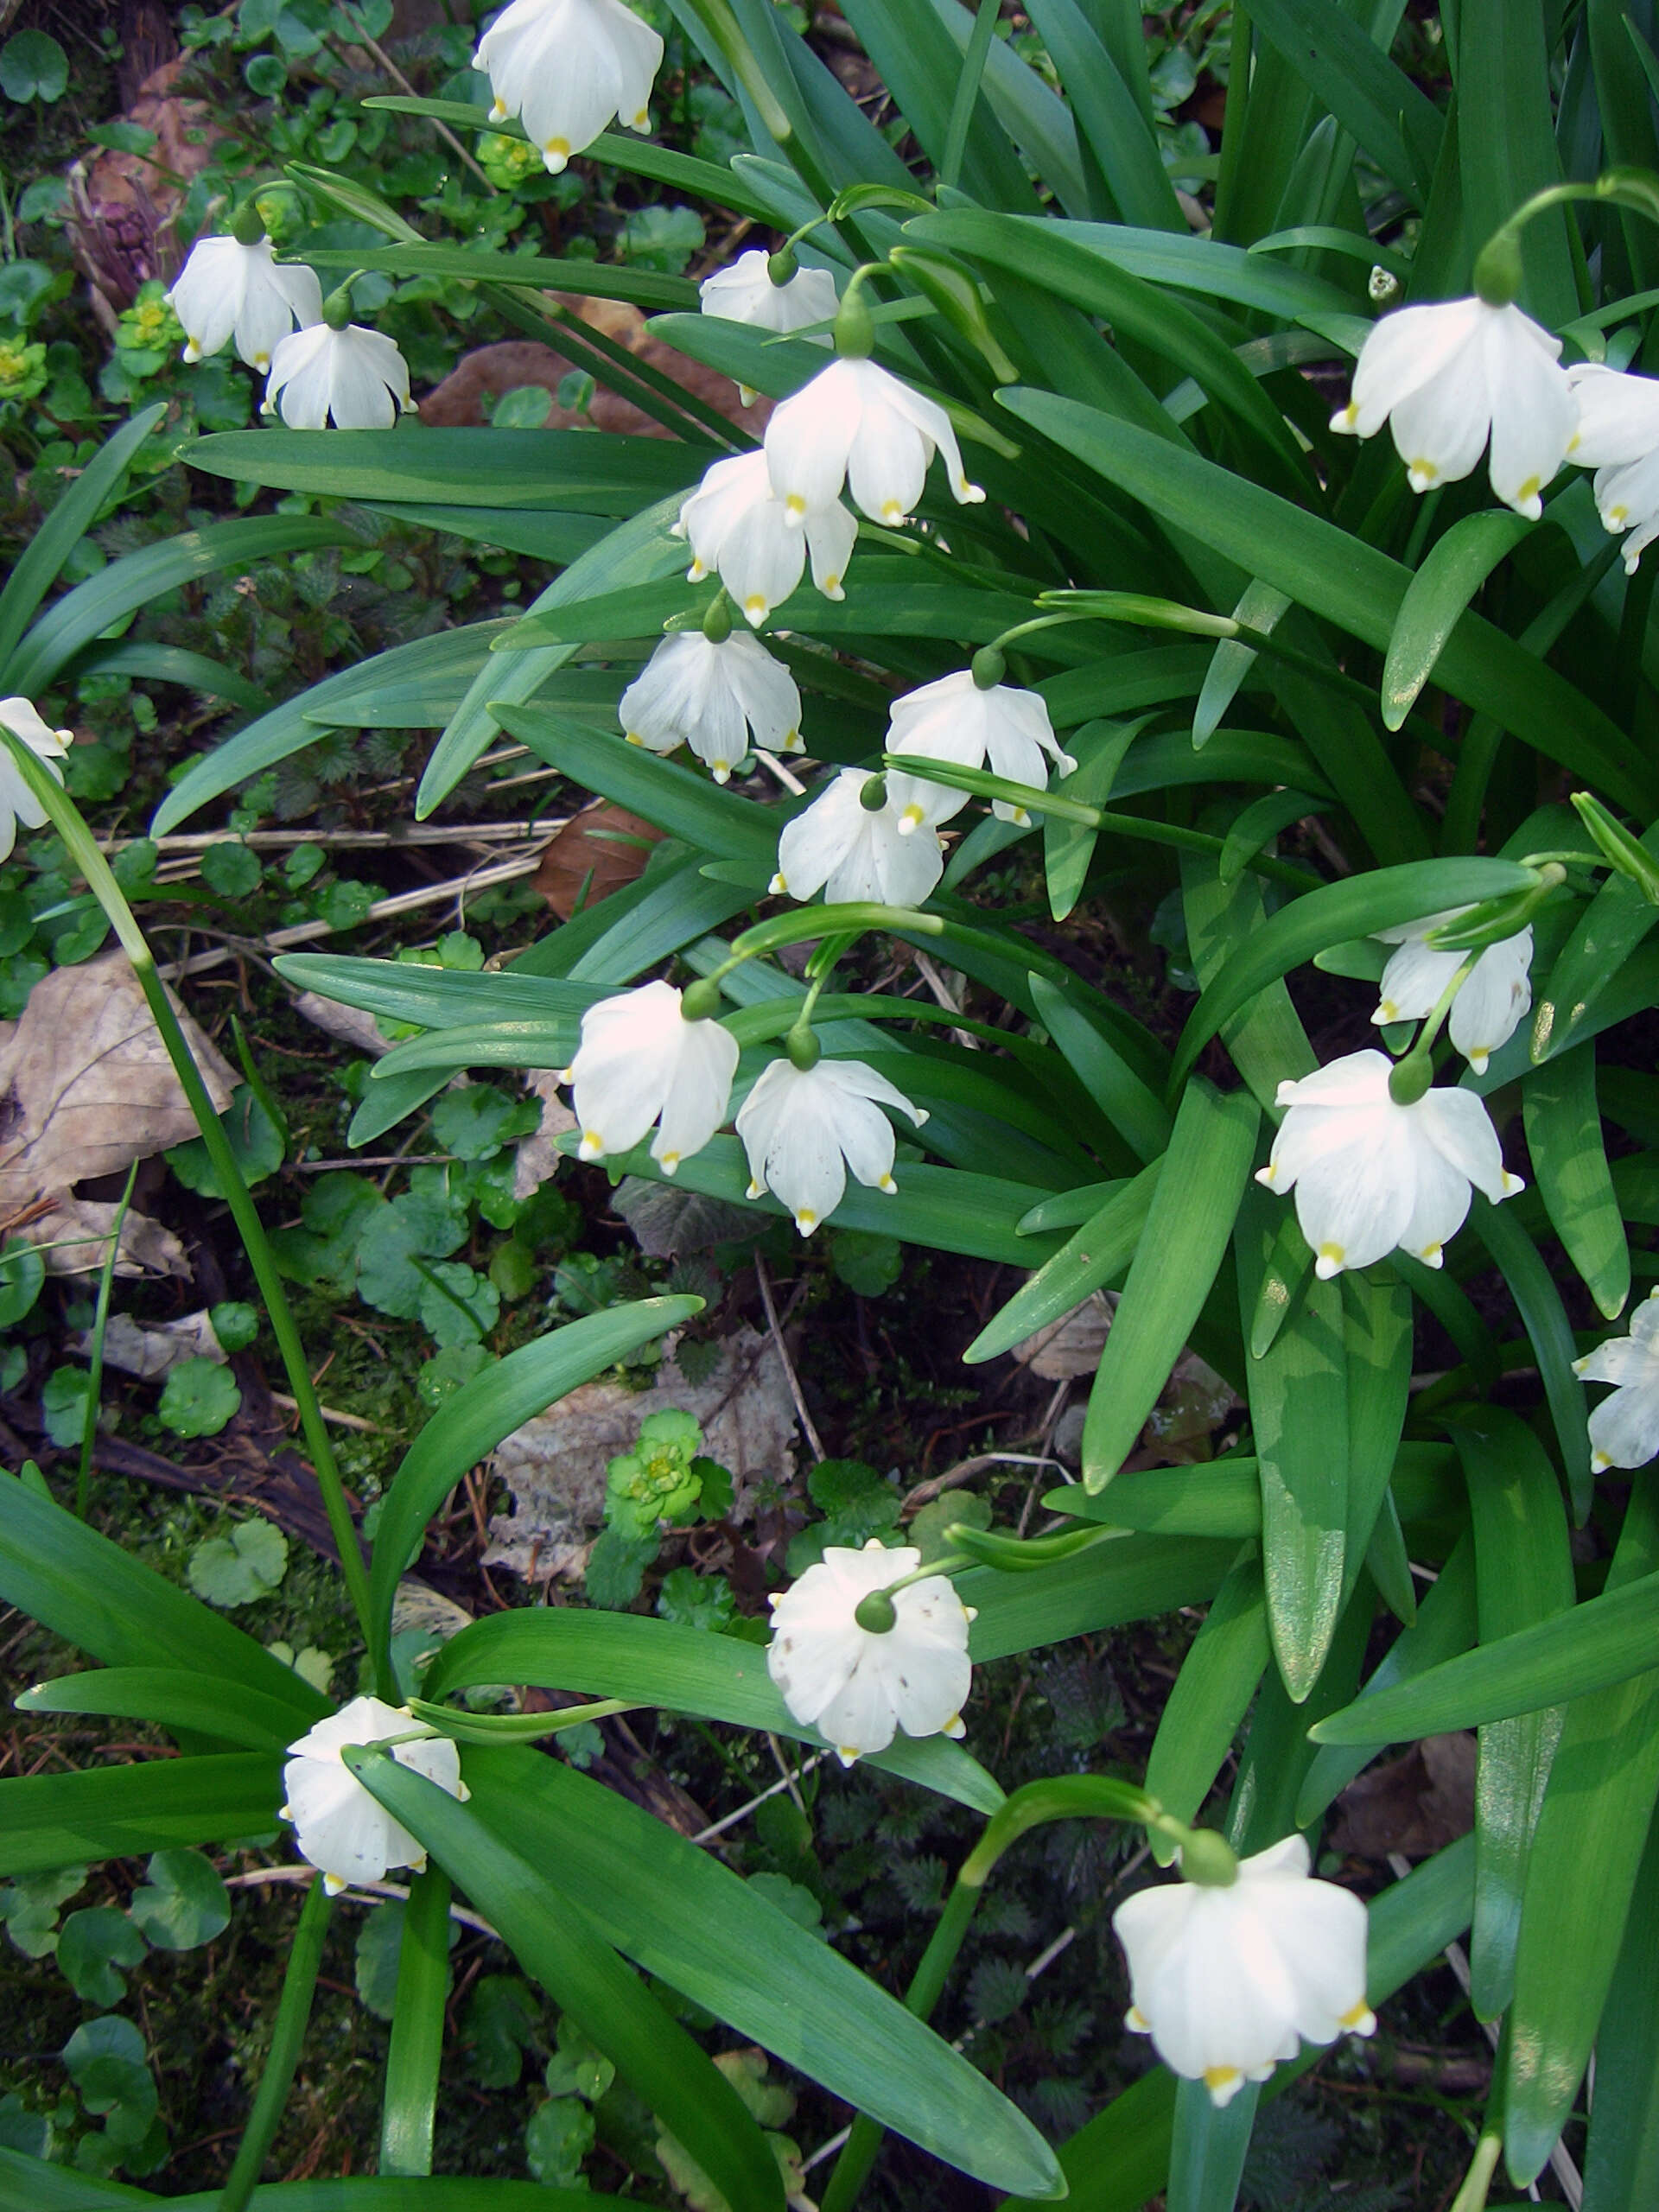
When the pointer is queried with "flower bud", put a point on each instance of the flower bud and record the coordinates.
(876, 1614)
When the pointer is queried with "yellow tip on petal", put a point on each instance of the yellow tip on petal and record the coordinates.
(1268, 1175)
(755, 1190)
(794, 507)
(1511, 1183)
(1358, 2020)
(757, 608)
(794, 742)
(591, 1146)
(721, 770)
(1331, 1261)
(555, 155)
(1527, 495)
(695, 573)
(892, 510)
(1222, 2081)
(1387, 1011)
(847, 1754)
(1573, 441)
(632, 737)
(498, 113)
(777, 887)
(642, 121)
(1137, 2021)
(806, 1221)
(333, 1883)
(1346, 417)
(887, 1184)
(910, 821)
(1423, 474)
(1599, 1462)
(831, 588)
(669, 1162)
(955, 1727)
(1433, 1256)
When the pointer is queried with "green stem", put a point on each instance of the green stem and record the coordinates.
(65, 817)
(100, 1324)
(807, 923)
(293, 2011)
(967, 94)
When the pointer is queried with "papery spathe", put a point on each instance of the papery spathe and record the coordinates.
(1370, 1175)
(226, 289)
(356, 377)
(855, 424)
(1494, 999)
(841, 847)
(857, 1687)
(1230, 1980)
(338, 1826)
(1625, 1427)
(712, 696)
(954, 720)
(17, 803)
(640, 1062)
(737, 528)
(1449, 377)
(803, 1127)
(567, 68)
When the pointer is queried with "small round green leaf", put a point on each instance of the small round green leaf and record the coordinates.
(92, 1946)
(23, 1271)
(237, 1569)
(198, 1398)
(184, 1904)
(33, 67)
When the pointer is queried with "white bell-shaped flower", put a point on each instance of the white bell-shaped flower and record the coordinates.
(337, 1825)
(856, 1686)
(1624, 1428)
(1494, 998)
(803, 1127)
(1228, 1981)
(641, 1061)
(355, 377)
(1370, 1175)
(1448, 376)
(567, 69)
(713, 697)
(1618, 437)
(737, 530)
(849, 850)
(227, 289)
(955, 719)
(855, 424)
(743, 292)
(17, 803)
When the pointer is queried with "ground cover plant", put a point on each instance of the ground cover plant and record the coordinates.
(1174, 610)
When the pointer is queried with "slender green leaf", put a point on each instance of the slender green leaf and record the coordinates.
(1544, 1317)
(641, 288)
(1375, 102)
(683, 1669)
(1117, 129)
(1621, 2166)
(1182, 1246)
(31, 2185)
(1523, 1574)
(1101, 1250)
(1377, 1331)
(1205, 1709)
(122, 1812)
(1569, 1157)
(154, 664)
(554, 1940)
(1453, 570)
(170, 1697)
(1131, 1107)
(412, 2082)
(1507, 144)
(474, 1420)
(576, 472)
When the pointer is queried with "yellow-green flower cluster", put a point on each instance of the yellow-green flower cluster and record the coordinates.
(22, 367)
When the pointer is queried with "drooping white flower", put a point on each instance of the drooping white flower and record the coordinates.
(712, 698)
(17, 803)
(855, 424)
(227, 290)
(1228, 1981)
(803, 1127)
(1448, 377)
(338, 1826)
(954, 720)
(743, 292)
(1494, 999)
(356, 376)
(854, 1686)
(1618, 437)
(1624, 1428)
(851, 851)
(737, 528)
(641, 1061)
(1370, 1175)
(567, 68)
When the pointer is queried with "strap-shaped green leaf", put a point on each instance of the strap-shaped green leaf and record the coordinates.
(1224, 1498)
(1118, 129)
(551, 1933)
(122, 1812)
(1377, 1331)
(1569, 1156)
(1544, 1317)
(1375, 102)
(408, 2101)
(680, 1913)
(1102, 1247)
(474, 1420)
(32, 2185)
(1609, 930)
(1506, 143)
(1580, 1877)
(1133, 1107)
(1180, 1249)
(1453, 570)
(97, 1597)
(682, 1670)
(1621, 2163)
(1205, 1709)
(1524, 1573)
(437, 998)
(172, 1697)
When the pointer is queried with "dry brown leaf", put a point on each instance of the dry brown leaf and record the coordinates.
(1072, 1345)
(555, 1465)
(538, 1155)
(598, 851)
(85, 1088)
(150, 1353)
(1415, 1805)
